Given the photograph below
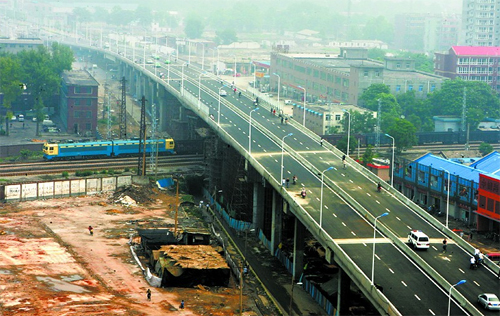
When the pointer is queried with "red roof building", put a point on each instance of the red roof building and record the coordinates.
(470, 63)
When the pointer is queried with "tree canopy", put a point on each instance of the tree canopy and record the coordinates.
(193, 28)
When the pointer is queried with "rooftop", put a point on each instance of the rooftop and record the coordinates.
(476, 50)
(79, 78)
(194, 256)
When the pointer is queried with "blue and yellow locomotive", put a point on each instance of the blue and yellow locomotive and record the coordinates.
(103, 149)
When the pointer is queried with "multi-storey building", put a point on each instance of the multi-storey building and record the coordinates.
(78, 111)
(480, 23)
(426, 32)
(15, 46)
(470, 63)
(343, 78)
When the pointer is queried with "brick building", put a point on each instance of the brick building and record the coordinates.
(470, 63)
(78, 111)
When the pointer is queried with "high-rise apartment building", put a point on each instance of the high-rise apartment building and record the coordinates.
(480, 23)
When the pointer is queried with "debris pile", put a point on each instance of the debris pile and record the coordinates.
(134, 194)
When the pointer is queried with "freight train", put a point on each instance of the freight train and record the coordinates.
(103, 149)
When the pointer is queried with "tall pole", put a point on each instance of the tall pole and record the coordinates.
(379, 114)
(279, 86)
(199, 90)
(283, 153)
(373, 254)
(217, 66)
(234, 67)
(250, 132)
(218, 111)
(449, 294)
(321, 198)
(348, 131)
(305, 96)
(202, 56)
(447, 195)
(392, 160)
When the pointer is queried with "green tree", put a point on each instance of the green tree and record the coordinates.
(194, 27)
(403, 133)
(10, 84)
(370, 96)
(379, 29)
(481, 102)
(376, 54)
(143, 14)
(82, 14)
(62, 57)
(368, 155)
(342, 144)
(362, 122)
(485, 148)
(226, 36)
(416, 111)
(423, 62)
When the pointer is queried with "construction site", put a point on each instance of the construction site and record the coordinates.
(51, 264)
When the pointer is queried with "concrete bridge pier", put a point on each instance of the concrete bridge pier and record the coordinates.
(298, 249)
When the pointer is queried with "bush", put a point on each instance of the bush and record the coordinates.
(485, 148)
(65, 174)
(84, 173)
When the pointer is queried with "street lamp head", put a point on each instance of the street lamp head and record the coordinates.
(385, 214)
(329, 168)
(290, 134)
(461, 282)
(387, 135)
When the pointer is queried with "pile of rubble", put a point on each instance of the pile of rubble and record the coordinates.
(134, 194)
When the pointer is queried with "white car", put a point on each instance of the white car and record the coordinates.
(418, 240)
(489, 301)
(223, 93)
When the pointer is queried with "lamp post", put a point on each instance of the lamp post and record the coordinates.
(348, 130)
(449, 294)
(217, 66)
(321, 198)
(279, 86)
(291, 295)
(218, 111)
(246, 238)
(282, 153)
(304, 119)
(182, 78)
(447, 195)
(202, 56)
(392, 160)
(234, 67)
(250, 132)
(254, 74)
(373, 254)
(199, 89)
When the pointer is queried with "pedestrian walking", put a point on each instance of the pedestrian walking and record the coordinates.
(286, 120)
(287, 182)
(274, 112)
(472, 262)
(282, 119)
(148, 294)
(91, 231)
(271, 107)
(344, 163)
(182, 304)
(461, 234)
(283, 182)
(321, 142)
(445, 244)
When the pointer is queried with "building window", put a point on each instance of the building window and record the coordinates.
(88, 114)
(407, 65)
(433, 87)
(89, 102)
(398, 88)
(398, 65)
(410, 87)
(88, 126)
(377, 73)
(421, 88)
(337, 117)
(365, 73)
(76, 114)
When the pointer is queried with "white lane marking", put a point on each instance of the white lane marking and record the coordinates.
(377, 201)
(254, 141)
(408, 227)
(294, 138)
(321, 158)
(476, 283)
(388, 210)
(404, 283)
(391, 270)
(301, 143)
(288, 171)
(353, 233)
(397, 217)
(244, 133)
(325, 206)
(275, 160)
(378, 258)
(239, 128)
(259, 145)
(351, 181)
(433, 247)
(317, 199)
(334, 214)
(459, 269)
(265, 150)
(344, 224)
(432, 312)
(418, 298)
(368, 194)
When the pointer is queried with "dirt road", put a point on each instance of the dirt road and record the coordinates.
(51, 265)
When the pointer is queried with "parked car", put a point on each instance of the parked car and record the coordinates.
(20, 118)
(489, 301)
(13, 118)
(223, 93)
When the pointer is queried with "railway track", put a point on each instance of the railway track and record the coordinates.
(434, 149)
(49, 167)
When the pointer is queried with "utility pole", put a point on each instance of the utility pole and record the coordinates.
(154, 142)
(123, 111)
(141, 170)
(379, 114)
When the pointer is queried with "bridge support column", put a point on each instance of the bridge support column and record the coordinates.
(343, 292)
(298, 248)
(258, 204)
(277, 216)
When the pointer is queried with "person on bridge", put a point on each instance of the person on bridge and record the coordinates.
(445, 244)
(239, 94)
(472, 263)
(294, 180)
(321, 142)
(379, 187)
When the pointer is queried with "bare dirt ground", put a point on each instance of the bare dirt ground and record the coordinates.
(51, 265)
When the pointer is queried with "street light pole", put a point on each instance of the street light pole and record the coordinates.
(282, 153)
(392, 160)
(373, 254)
(447, 195)
(182, 78)
(321, 198)
(291, 296)
(250, 132)
(218, 111)
(279, 86)
(305, 96)
(449, 294)
(348, 131)
(199, 89)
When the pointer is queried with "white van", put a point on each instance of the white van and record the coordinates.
(418, 240)
(20, 118)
